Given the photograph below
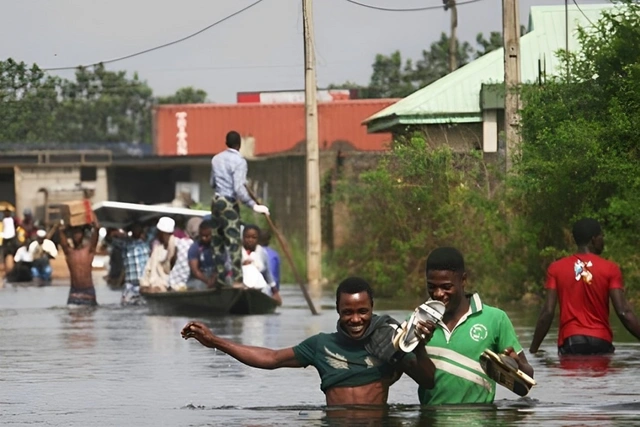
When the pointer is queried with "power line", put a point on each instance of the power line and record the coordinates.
(142, 52)
(415, 9)
(583, 14)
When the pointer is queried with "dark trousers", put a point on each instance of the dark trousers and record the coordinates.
(585, 345)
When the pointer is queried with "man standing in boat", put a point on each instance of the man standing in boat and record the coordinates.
(79, 259)
(349, 361)
(228, 178)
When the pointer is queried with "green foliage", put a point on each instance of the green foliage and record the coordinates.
(420, 197)
(185, 95)
(581, 153)
(96, 106)
(395, 77)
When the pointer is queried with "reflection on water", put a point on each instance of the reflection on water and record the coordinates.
(121, 366)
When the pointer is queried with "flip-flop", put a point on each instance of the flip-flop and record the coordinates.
(407, 338)
(504, 371)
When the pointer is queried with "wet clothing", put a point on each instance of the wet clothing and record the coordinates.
(583, 282)
(586, 345)
(459, 377)
(340, 362)
(227, 238)
(82, 296)
(343, 361)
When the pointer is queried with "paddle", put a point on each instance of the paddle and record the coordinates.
(285, 248)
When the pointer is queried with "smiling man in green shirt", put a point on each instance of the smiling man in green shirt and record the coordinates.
(467, 329)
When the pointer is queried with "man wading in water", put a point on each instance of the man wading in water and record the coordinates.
(351, 361)
(79, 259)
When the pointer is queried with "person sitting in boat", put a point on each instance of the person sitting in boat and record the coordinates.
(134, 252)
(351, 371)
(255, 264)
(162, 259)
(42, 250)
(21, 270)
(272, 255)
(181, 271)
(202, 264)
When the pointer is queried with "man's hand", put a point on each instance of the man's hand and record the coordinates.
(262, 209)
(424, 330)
(200, 332)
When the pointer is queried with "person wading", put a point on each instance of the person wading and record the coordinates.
(350, 372)
(228, 178)
(79, 259)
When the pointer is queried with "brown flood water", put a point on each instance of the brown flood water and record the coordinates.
(116, 366)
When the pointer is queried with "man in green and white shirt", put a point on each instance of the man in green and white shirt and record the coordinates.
(466, 330)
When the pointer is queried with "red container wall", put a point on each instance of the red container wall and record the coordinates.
(200, 129)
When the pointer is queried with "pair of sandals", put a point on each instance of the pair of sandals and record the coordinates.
(408, 337)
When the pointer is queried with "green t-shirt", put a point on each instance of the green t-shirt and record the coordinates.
(459, 376)
(340, 362)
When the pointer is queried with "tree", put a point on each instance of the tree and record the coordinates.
(185, 95)
(391, 78)
(486, 46)
(28, 99)
(580, 151)
(434, 63)
(105, 106)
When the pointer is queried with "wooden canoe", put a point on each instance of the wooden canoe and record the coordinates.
(213, 302)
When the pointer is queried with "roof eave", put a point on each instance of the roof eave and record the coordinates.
(384, 124)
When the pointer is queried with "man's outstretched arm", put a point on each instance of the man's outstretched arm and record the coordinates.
(624, 311)
(545, 319)
(257, 357)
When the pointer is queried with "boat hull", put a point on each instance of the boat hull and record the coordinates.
(213, 302)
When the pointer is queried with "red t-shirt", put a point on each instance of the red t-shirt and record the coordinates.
(583, 282)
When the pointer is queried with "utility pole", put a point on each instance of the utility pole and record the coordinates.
(453, 45)
(314, 233)
(511, 36)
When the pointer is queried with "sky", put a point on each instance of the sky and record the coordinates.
(260, 49)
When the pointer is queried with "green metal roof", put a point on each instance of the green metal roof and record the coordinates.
(455, 98)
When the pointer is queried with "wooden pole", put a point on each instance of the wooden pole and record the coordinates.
(511, 36)
(287, 253)
(314, 233)
(453, 45)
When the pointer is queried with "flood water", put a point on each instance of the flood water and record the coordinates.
(115, 366)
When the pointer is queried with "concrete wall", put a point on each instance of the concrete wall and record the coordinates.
(59, 181)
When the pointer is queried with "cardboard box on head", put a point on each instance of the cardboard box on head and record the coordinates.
(77, 213)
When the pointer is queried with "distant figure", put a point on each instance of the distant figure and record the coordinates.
(42, 250)
(255, 264)
(228, 178)
(28, 224)
(9, 236)
(202, 262)
(583, 283)
(135, 255)
(162, 258)
(179, 232)
(272, 255)
(79, 259)
(180, 272)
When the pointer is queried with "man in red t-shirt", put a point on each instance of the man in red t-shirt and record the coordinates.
(583, 283)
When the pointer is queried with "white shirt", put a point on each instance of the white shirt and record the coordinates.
(8, 228)
(47, 246)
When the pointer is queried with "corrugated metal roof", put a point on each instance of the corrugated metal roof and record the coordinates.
(275, 128)
(455, 98)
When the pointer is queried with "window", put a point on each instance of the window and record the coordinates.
(88, 173)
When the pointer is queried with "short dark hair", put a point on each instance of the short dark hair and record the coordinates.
(265, 237)
(353, 285)
(233, 139)
(205, 225)
(248, 227)
(445, 258)
(584, 230)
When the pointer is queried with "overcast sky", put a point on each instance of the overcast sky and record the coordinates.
(260, 49)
